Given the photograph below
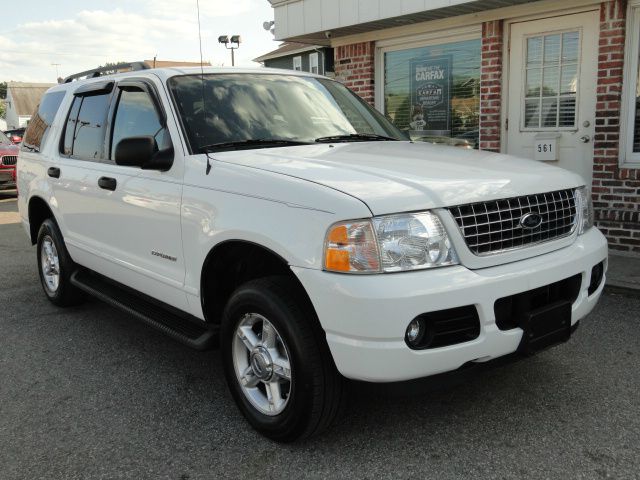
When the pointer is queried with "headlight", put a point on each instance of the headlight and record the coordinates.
(584, 208)
(391, 243)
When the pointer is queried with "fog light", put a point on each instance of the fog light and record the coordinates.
(597, 272)
(415, 332)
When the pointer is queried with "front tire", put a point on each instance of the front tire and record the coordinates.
(55, 266)
(276, 361)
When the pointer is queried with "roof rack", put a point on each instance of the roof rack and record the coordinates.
(97, 72)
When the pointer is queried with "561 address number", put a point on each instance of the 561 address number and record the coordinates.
(545, 150)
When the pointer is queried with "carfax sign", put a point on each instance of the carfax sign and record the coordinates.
(431, 94)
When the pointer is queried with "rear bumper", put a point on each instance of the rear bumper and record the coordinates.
(365, 317)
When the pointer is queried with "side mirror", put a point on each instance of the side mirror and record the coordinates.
(141, 152)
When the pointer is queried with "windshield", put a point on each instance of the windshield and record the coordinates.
(240, 107)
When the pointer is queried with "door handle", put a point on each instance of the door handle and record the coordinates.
(585, 138)
(107, 183)
(53, 172)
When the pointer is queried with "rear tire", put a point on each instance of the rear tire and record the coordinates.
(55, 266)
(268, 324)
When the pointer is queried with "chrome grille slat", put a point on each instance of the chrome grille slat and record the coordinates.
(9, 160)
(494, 226)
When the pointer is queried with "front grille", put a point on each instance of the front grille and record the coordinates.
(511, 310)
(494, 226)
(9, 160)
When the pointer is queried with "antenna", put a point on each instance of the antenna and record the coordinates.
(204, 112)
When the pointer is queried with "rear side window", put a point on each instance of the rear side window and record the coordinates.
(85, 128)
(40, 123)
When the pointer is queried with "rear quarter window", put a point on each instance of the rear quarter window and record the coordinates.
(40, 123)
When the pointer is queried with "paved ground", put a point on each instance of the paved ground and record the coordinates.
(624, 274)
(90, 393)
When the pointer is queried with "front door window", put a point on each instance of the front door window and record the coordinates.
(551, 81)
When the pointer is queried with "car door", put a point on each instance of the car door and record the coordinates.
(126, 220)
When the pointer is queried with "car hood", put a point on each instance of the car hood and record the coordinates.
(395, 177)
(9, 150)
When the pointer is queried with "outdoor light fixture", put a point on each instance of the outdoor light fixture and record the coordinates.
(234, 40)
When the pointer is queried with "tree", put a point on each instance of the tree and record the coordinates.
(3, 109)
(110, 64)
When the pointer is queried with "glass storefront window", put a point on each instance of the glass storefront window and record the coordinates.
(433, 92)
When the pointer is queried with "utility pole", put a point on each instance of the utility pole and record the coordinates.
(56, 65)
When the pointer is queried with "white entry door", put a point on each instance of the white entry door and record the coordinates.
(552, 91)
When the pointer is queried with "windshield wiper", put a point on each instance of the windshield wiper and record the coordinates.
(355, 137)
(251, 143)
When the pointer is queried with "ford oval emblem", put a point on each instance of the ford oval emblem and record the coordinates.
(531, 220)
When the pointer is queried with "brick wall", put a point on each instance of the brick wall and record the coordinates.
(616, 191)
(354, 66)
(491, 85)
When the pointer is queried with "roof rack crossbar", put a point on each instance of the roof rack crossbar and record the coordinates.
(96, 72)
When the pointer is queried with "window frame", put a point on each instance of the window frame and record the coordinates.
(558, 97)
(316, 56)
(471, 32)
(297, 59)
(105, 88)
(439, 37)
(627, 158)
(43, 140)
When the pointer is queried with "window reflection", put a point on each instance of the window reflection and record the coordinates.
(551, 80)
(464, 94)
(263, 106)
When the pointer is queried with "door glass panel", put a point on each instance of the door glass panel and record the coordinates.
(570, 47)
(567, 115)
(549, 112)
(551, 85)
(569, 82)
(534, 82)
(70, 128)
(136, 116)
(551, 49)
(531, 113)
(534, 51)
(90, 127)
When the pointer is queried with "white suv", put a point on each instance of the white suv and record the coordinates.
(278, 215)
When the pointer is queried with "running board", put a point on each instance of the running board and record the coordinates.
(181, 326)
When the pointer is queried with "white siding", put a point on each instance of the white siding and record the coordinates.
(310, 16)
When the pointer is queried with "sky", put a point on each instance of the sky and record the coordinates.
(80, 35)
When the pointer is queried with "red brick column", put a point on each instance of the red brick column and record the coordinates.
(616, 191)
(355, 67)
(491, 85)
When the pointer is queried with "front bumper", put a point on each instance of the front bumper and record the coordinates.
(365, 316)
(7, 177)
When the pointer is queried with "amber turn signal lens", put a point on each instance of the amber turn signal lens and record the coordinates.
(337, 260)
(351, 247)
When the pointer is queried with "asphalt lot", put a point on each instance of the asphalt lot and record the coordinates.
(89, 392)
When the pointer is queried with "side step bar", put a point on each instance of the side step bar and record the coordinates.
(181, 326)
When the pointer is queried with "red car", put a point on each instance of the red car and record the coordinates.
(8, 160)
(15, 135)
